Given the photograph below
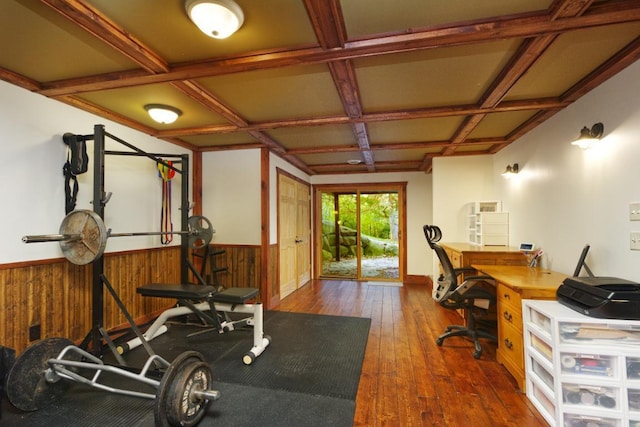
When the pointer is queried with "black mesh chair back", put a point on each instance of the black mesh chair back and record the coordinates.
(451, 295)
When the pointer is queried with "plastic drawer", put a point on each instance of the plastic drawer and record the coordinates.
(590, 396)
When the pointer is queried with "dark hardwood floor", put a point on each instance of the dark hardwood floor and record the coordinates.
(407, 380)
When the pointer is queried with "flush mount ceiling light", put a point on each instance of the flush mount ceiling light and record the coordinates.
(163, 113)
(216, 18)
(588, 137)
(511, 170)
(354, 162)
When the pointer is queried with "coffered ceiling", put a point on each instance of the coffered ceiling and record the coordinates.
(391, 83)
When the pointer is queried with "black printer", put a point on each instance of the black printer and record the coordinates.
(603, 297)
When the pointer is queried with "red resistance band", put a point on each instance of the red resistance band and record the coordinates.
(166, 225)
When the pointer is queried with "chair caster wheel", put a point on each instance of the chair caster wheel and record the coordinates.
(477, 354)
(439, 341)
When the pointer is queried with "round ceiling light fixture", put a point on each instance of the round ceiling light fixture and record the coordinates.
(164, 114)
(216, 18)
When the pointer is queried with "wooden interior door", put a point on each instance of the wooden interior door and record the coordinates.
(287, 234)
(294, 235)
(303, 234)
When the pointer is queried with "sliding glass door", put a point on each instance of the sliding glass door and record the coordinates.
(360, 236)
(340, 236)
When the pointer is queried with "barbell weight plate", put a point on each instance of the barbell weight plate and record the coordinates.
(27, 387)
(200, 231)
(169, 377)
(90, 226)
(182, 407)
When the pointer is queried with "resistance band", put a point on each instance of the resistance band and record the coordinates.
(166, 225)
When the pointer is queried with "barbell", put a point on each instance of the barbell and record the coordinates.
(83, 235)
(43, 372)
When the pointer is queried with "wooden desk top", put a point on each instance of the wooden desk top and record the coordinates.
(524, 279)
(468, 247)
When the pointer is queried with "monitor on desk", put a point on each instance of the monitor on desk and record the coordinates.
(582, 263)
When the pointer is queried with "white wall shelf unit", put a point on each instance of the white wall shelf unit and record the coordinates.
(580, 370)
(487, 224)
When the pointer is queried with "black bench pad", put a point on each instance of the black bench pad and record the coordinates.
(191, 291)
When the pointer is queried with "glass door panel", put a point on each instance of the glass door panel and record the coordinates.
(360, 235)
(339, 235)
(379, 236)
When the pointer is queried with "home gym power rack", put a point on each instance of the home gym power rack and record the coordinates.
(183, 391)
(99, 201)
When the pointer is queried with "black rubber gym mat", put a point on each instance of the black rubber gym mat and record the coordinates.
(308, 376)
(309, 353)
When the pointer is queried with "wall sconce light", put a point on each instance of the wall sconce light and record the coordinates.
(163, 113)
(216, 18)
(511, 170)
(588, 137)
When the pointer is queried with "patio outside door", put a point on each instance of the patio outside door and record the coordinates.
(360, 236)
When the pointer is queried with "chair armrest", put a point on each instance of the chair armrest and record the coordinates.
(480, 278)
(471, 281)
(461, 270)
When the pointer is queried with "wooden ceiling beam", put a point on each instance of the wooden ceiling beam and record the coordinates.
(344, 78)
(467, 126)
(528, 53)
(393, 146)
(518, 26)
(19, 80)
(198, 93)
(104, 29)
(567, 8)
(118, 118)
(618, 62)
(420, 113)
(328, 22)
(405, 164)
(362, 139)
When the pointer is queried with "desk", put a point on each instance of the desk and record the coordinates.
(465, 254)
(513, 284)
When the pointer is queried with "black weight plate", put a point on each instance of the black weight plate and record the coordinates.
(201, 231)
(173, 371)
(27, 388)
(182, 408)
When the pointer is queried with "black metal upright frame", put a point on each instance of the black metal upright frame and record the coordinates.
(99, 201)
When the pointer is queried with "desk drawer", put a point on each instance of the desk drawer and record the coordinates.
(511, 345)
(456, 259)
(510, 314)
(506, 295)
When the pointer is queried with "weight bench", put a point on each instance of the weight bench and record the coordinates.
(209, 306)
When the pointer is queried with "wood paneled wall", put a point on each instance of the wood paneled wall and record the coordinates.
(54, 296)
(244, 267)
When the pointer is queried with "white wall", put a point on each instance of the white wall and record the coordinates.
(456, 182)
(564, 197)
(231, 195)
(32, 191)
(419, 195)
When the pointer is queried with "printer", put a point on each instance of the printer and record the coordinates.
(603, 297)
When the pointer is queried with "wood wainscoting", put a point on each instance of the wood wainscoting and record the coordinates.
(244, 269)
(52, 298)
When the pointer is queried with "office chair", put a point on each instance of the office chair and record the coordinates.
(449, 294)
